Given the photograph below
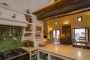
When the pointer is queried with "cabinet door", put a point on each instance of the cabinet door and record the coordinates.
(43, 55)
(55, 58)
(59, 57)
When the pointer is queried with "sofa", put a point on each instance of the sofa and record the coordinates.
(66, 41)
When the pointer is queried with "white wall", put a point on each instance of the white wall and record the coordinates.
(23, 5)
(15, 4)
(35, 5)
(39, 23)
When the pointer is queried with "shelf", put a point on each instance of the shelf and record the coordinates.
(26, 37)
(29, 23)
(34, 55)
(28, 31)
(28, 18)
(9, 8)
(43, 56)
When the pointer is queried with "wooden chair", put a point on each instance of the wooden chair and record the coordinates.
(73, 42)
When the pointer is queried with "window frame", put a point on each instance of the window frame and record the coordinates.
(78, 18)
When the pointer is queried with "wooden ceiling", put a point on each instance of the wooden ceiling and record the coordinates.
(51, 6)
(63, 9)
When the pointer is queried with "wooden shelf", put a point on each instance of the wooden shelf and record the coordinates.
(9, 8)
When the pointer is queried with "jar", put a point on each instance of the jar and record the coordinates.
(27, 44)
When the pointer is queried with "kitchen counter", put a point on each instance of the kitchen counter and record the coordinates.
(29, 49)
(67, 51)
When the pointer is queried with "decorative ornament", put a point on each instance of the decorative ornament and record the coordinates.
(14, 16)
(28, 12)
(5, 4)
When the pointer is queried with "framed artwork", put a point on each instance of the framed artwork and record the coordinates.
(37, 35)
(38, 28)
(66, 31)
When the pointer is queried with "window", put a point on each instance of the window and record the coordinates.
(55, 33)
(79, 19)
(80, 32)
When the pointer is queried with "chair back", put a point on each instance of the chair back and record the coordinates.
(73, 41)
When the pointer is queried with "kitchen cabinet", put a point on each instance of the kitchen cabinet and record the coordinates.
(61, 52)
(59, 57)
(44, 55)
(55, 58)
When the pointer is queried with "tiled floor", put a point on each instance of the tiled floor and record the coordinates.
(56, 42)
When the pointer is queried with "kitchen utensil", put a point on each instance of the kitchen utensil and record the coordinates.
(10, 32)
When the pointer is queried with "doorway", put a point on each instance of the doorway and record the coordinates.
(55, 34)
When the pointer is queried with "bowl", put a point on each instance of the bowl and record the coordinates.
(41, 44)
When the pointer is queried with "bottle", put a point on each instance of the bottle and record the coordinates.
(32, 44)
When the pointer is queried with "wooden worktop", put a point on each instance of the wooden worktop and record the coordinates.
(67, 51)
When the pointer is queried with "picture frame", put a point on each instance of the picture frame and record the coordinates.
(37, 35)
(38, 28)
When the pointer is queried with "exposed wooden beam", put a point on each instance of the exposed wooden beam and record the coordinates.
(67, 14)
(73, 7)
(51, 6)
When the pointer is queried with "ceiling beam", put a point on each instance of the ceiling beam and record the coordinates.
(72, 7)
